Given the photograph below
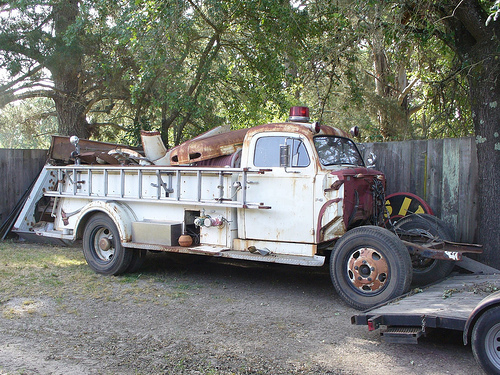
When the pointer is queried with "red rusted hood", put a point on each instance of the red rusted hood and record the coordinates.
(363, 194)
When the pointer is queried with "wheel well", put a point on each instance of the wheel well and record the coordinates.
(470, 324)
(83, 222)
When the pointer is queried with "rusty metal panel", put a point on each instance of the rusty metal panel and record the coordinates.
(296, 128)
(61, 148)
(205, 148)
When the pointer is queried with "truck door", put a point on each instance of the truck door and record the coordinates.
(288, 190)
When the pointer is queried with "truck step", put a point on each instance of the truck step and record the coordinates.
(402, 335)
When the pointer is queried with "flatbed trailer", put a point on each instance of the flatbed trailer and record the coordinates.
(463, 302)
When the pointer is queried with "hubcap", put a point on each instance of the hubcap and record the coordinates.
(367, 270)
(103, 244)
(493, 345)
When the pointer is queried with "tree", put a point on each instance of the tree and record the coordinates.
(28, 124)
(476, 43)
(199, 64)
(60, 50)
(35, 38)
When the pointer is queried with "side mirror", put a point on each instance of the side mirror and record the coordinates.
(284, 156)
(355, 132)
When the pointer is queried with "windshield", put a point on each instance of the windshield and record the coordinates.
(334, 150)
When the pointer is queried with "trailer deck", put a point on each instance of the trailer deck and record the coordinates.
(446, 304)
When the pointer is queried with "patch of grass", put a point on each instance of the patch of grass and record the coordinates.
(177, 295)
(9, 313)
(129, 279)
(61, 273)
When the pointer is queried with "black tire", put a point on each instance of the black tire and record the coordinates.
(102, 247)
(425, 270)
(485, 340)
(138, 258)
(370, 265)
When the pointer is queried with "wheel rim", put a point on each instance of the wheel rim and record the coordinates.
(103, 244)
(492, 341)
(367, 270)
(421, 264)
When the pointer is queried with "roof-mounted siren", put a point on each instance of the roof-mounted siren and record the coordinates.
(301, 115)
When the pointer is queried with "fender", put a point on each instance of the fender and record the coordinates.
(485, 304)
(121, 214)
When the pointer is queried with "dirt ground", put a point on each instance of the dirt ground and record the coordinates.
(212, 317)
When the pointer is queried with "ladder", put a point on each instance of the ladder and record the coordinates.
(222, 187)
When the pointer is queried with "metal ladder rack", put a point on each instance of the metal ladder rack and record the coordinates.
(223, 187)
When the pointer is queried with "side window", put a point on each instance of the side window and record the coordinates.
(267, 152)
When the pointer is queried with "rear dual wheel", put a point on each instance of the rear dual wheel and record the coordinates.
(102, 246)
(370, 265)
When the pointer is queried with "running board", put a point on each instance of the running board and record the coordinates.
(225, 252)
(296, 260)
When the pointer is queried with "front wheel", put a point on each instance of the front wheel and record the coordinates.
(485, 340)
(370, 265)
(102, 247)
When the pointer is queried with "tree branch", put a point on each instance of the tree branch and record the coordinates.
(9, 85)
(112, 124)
(406, 90)
(9, 97)
(207, 20)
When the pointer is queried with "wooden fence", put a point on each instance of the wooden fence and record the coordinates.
(18, 169)
(441, 171)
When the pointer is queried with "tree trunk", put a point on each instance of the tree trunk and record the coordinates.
(485, 96)
(478, 46)
(381, 82)
(71, 116)
(66, 69)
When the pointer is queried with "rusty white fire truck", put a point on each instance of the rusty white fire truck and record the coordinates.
(295, 192)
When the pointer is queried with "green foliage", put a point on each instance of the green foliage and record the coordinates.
(185, 66)
(28, 124)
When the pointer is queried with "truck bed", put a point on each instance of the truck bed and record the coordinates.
(446, 304)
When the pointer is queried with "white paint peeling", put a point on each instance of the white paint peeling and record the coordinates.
(453, 255)
(480, 139)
